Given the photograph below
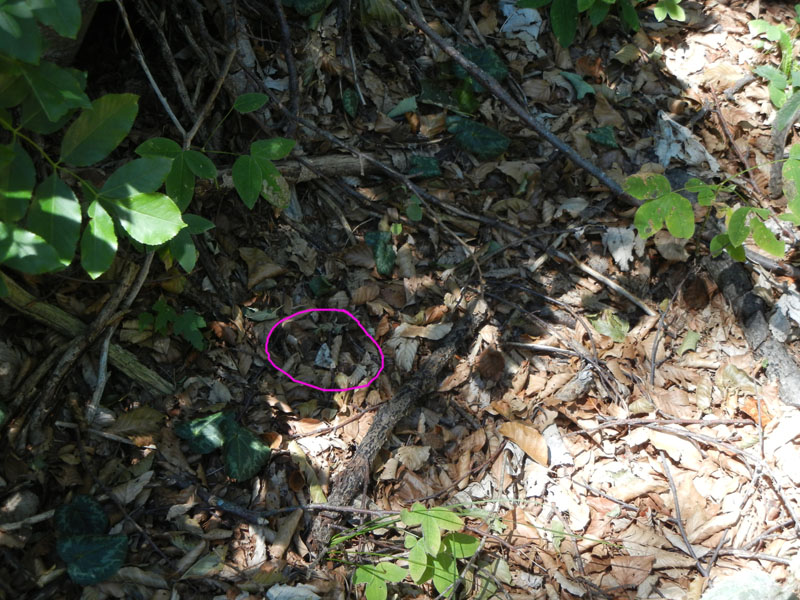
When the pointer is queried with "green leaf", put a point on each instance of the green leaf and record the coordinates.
(603, 136)
(34, 119)
(93, 558)
(97, 131)
(786, 113)
(188, 325)
(13, 88)
(465, 96)
(460, 545)
(62, 15)
(182, 249)
(56, 89)
(766, 240)
(598, 13)
(25, 251)
(533, 3)
(307, 8)
(432, 521)
(584, 5)
(376, 576)
(689, 342)
(204, 434)
(611, 324)
(247, 179)
(432, 92)
(580, 86)
(350, 102)
(196, 224)
(445, 570)
(738, 229)
(414, 209)
(249, 102)
(180, 182)
(82, 516)
(628, 14)
(272, 149)
(718, 244)
(27, 45)
(55, 215)
(148, 218)
(244, 454)
(424, 166)
(159, 146)
(274, 188)
(406, 105)
(484, 58)
(385, 257)
(772, 75)
(484, 142)
(647, 186)
(99, 241)
(320, 286)
(420, 564)
(17, 179)
(705, 193)
(140, 176)
(200, 164)
(564, 20)
(679, 216)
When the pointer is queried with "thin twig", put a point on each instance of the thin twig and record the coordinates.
(139, 55)
(679, 521)
(286, 42)
(187, 139)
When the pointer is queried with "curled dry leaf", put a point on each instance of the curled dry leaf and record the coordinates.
(631, 570)
(430, 332)
(259, 266)
(528, 438)
(413, 457)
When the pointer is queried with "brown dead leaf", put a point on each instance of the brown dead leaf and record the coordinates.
(631, 570)
(366, 293)
(491, 364)
(170, 447)
(140, 421)
(359, 256)
(429, 332)
(259, 266)
(528, 438)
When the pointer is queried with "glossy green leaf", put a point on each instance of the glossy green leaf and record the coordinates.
(64, 16)
(20, 37)
(766, 240)
(273, 148)
(482, 141)
(420, 563)
(97, 131)
(83, 515)
(196, 224)
(159, 146)
(99, 241)
(445, 572)
(17, 179)
(250, 102)
(25, 251)
(200, 164)
(579, 85)
(55, 215)
(93, 558)
(204, 434)
(56, 89)
(564, 20)
(247, 179)
(148, 218)
(180, 182)
(139, 176)
(244, 454)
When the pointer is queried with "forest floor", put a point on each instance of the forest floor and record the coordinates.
(603, 430)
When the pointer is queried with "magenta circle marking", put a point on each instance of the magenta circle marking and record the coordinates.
(341, 310)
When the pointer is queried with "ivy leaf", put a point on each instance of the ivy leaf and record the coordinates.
(93, 558)
(100, 129)
(83, 515)
(603, 136)
(244, 453)
(204, 434)
(484, 58)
